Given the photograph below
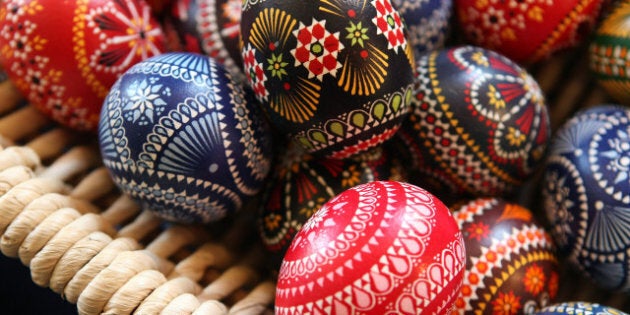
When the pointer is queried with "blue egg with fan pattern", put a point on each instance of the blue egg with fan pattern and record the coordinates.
(586, 193)
(182, 138)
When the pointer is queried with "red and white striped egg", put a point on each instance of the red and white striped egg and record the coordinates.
(383, 247)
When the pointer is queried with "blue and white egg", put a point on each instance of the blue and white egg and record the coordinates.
(587, 193)
(179, 136)
(578, 308)
(427, 22)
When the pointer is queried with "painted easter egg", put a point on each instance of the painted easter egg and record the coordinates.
(511, 265)
(586, 193)
(527, 31)
(210, 27)
(183, 139)
(302, 183)
(383, 247)
(566, 308)
(335, 76)
(478, 124)
(608, 53)
(427, 22)
(64, 56)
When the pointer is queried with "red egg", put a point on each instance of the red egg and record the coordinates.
(527, 31)
(511, 264)
(64, 56)
(384, 247)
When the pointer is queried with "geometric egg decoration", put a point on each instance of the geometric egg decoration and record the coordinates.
(608, 53)
(527, 31)
(302, 183)
(179, 136)
(511, 263)
(64, 56)
(586, 194)
(478, 123)
(335, 76)
(427, 21)
(210, 27)
(382, 247)
(566, 308)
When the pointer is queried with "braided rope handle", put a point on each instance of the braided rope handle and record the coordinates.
(96, 259)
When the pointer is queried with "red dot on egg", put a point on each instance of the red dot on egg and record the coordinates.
(286, 86)
(272, 46)
(352, 13)
(364, 54)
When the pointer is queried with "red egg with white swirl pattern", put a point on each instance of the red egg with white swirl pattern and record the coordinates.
(383, 247)
(64, 56)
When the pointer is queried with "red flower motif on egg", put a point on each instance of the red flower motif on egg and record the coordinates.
(534, 280)
(389, 24)
(506, 304)
(317, 49)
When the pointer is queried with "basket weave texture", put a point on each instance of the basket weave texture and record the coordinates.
(62, 216)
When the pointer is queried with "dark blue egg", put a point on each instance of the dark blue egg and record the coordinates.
(578, 308)
(427, 22)
(587, 193)
(183, 139)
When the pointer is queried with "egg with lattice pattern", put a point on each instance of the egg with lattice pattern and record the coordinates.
(478, 124)
(183, 139)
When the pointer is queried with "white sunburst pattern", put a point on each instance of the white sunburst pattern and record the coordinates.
(135, 32)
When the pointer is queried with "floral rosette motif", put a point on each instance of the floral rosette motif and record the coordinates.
(511, 265)
(527, 31)
(335, 76)
(587, 193)
(479, 123)
(64, 56)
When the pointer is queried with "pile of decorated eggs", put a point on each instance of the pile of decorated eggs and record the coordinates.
(527, 31)
(478, 123)
(587, 193)
(352, 124)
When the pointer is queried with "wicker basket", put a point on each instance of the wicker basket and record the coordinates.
(61, 215)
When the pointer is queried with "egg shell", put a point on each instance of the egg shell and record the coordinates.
(335, 76)
(383, 247)
(302, 183)
(182, 138)
(586, 193)
(428, 22)
(210, 27)
(478, 122)
(608, 53)
(566, 308)
(527, 31)
(64, 56)
(511, 265)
